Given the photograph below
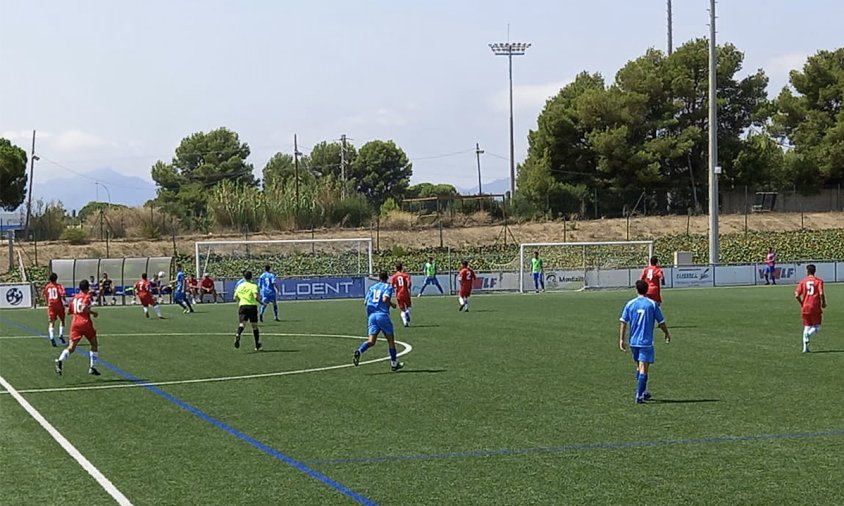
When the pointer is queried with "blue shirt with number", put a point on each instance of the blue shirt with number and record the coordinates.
(642, 315)
(375, 298)
(267, 283)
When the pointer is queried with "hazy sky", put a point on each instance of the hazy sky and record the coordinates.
(118, 84)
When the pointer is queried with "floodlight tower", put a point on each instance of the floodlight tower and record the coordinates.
(714, 169)
(511, 49)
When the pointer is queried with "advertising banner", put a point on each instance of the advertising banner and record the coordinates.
(15, 296)
(610, 278)
(785, 274)
(494, 282)
(683, 277)
(734, 275)
(824, 270)
(322, 288)
(560, 280)
(418, 282)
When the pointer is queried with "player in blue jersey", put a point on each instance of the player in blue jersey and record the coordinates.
(266, 282)
(378, 302)
(640, 315)
(180, 291)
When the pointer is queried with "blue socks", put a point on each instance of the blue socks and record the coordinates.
(275, 310)
(641, 385)
(363, 347)
(392, 354)
(263, 308)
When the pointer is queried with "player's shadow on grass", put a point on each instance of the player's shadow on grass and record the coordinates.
(481, 311)
(430, 326)
(410, 371)
(681, 401)
(827, 351)
(264, 350)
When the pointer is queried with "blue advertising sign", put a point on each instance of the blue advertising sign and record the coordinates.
(322, 288)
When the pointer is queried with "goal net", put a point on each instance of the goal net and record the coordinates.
(296, 258)
(581, 265)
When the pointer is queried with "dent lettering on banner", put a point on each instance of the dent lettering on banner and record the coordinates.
(322, 288)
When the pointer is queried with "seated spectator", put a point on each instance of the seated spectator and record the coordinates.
(94, 289)
(106, 289)
(193, 289)
(207, 287)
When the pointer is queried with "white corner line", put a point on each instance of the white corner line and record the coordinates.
(104, 482)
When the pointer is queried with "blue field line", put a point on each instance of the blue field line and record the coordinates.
(572, 448)
(299, 466)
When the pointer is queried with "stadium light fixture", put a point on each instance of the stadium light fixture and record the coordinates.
(510, 49)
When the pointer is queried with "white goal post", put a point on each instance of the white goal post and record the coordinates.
(579, 265)
(291, 257)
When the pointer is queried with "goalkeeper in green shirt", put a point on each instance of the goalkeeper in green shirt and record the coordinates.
(246, 295)
(537, 269)
(431, 276)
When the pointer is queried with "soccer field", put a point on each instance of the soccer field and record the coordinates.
(524, 400)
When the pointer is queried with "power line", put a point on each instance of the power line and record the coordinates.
(80, 174)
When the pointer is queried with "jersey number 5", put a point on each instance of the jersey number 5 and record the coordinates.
(810, 287)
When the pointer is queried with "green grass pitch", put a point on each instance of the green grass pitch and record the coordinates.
(524, 400)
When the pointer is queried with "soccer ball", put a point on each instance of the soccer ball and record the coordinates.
(161, 274)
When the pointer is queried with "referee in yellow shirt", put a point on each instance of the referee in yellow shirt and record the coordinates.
(246, 295)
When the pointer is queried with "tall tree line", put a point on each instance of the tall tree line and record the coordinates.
(642, 141)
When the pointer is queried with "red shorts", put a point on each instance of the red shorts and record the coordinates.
(812, 319)
(654, 296)
(146, 300)
(403, 300)
(55, 313)
(87, 330)
(465, 292)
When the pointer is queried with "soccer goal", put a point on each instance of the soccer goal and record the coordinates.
(582, 265)
(288, 258)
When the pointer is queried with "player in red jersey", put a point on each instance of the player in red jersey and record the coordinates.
(812, 299)
(402, 283)
(143, 292)
(465, 278)
(193, 289)
(653, 276)
(81, 326)
(54, 295)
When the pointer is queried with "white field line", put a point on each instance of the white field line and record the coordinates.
(71, 450)
(407, 349)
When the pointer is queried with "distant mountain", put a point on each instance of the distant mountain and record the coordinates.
(499, 186)
(74, 192)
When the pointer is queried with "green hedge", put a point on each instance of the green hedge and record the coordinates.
(735, 248)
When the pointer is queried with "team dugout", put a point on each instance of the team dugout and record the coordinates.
(123, 272)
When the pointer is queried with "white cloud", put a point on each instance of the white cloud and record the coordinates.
(381, 117)
(77, 140)
(527, 97)
(778, 68)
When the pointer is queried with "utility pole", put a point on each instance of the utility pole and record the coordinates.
(670, 30)
(478, 153)
(343, 162)
(32, 159)
(296, 171)
(713, 141)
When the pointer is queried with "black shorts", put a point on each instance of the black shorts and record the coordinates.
(248, 313)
